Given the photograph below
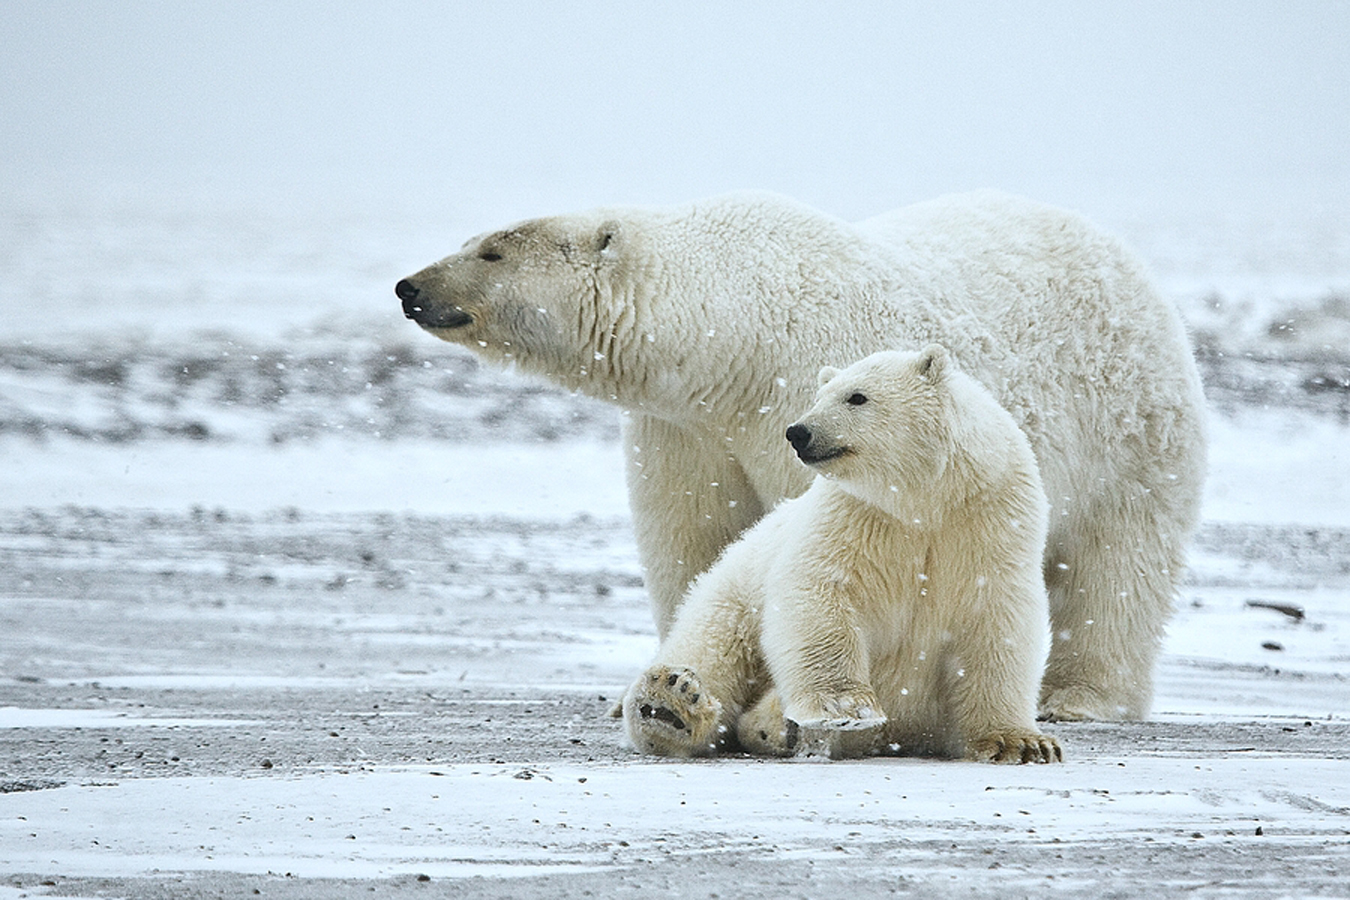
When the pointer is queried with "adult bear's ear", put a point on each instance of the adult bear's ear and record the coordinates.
(933, 363)
(609, 238)
(825, 375)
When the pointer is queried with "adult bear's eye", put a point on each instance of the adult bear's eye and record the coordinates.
(489, 256)
(857, 399)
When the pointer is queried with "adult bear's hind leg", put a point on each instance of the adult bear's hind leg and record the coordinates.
(1112, 591)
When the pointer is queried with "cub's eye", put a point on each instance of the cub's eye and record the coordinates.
(489, 256)
(856, 399)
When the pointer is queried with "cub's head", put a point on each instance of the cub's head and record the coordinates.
(880, 425)
(529, 294)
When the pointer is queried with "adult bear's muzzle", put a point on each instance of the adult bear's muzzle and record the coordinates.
(426, 312)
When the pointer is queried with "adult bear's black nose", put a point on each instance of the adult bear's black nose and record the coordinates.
(798, 436)
(408, 293)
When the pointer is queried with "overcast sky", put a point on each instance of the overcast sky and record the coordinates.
(854, 107)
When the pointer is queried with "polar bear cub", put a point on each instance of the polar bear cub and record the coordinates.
(897, 606)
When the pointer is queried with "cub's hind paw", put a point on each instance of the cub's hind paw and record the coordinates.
(763, 731)
(667, 713)
(1015, 747)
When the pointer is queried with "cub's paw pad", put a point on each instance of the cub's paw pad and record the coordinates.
(668, 713)
(1015, 747)
(840, 738)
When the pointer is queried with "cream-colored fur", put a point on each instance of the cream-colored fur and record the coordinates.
(898, 604)
(706, 323)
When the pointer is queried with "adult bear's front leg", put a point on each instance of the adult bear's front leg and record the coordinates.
(689, 499)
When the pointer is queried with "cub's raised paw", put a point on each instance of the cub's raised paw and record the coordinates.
(842, 738)
(667, 713)
(1015, 747)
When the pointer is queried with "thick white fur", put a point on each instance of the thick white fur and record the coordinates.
(898, 603)
(707, 323)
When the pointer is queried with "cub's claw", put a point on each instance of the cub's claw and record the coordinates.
(1015, 747)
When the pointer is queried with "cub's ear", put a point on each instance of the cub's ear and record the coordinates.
(609, 238)
(825, 375)
(933, 363)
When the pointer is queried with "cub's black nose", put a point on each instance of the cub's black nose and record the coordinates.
(408, 292)
(798, 436)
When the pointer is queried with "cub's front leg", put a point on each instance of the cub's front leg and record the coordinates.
(994, 683)
(849, 730)
(819, 665)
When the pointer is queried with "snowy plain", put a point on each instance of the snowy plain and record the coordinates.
(296, 601)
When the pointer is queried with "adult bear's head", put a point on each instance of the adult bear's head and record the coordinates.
(541, 294)
(658, 309)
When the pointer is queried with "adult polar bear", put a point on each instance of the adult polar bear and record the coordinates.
(708, 322)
